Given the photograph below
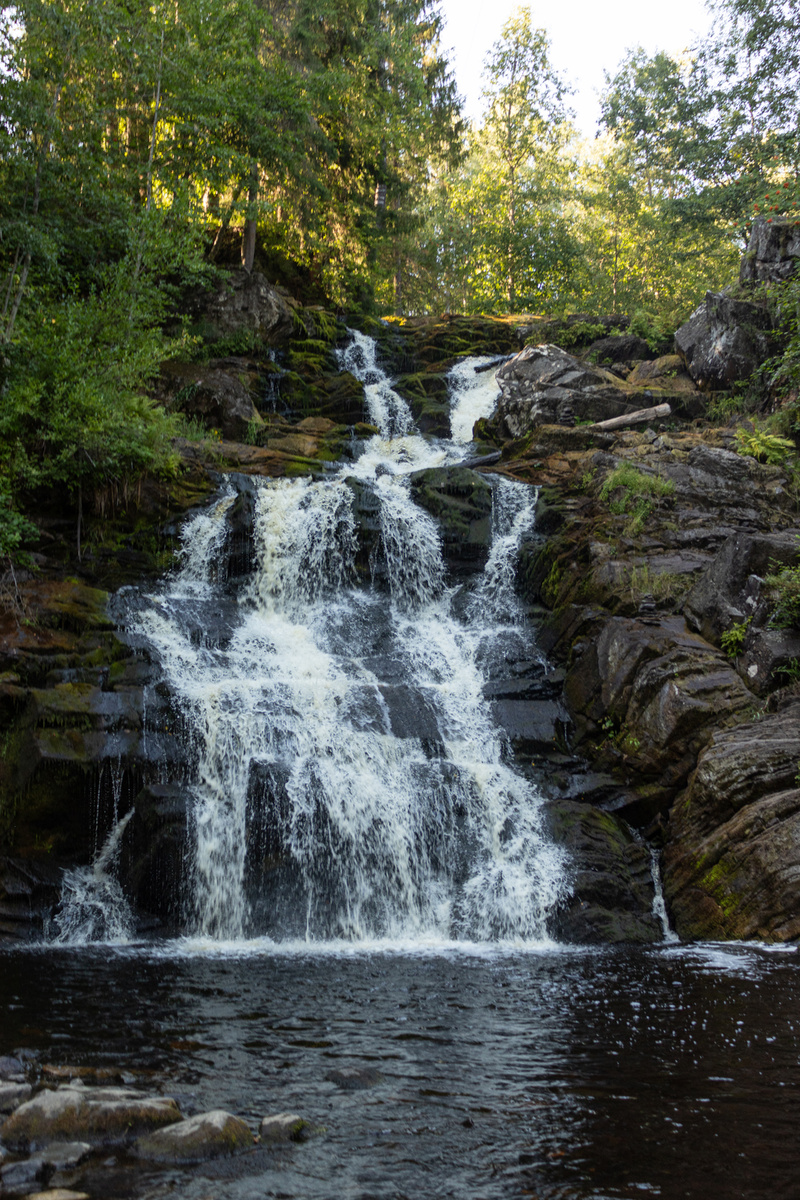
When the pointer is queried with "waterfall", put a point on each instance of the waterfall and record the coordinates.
(348, 778)
(386, 409)
(474, 392)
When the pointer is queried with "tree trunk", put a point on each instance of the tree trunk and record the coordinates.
(251, 223)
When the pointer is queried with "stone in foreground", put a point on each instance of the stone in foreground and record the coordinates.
(214, 1134)
(284, 1127)
(106, 1116)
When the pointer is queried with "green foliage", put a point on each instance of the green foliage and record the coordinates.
(763, 446)
(784, 588)
(732, 641)
(629, 491)
(14, 527)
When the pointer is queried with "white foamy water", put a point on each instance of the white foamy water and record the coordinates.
(474, 394)
(386, 409)
(350, 784)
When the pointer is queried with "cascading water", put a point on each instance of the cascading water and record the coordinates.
(349, 779)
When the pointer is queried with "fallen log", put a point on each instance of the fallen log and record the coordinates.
(634, 418)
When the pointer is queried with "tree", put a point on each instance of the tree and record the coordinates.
(523, 132)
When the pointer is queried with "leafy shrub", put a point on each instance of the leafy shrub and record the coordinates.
(763, 446)
(732, 641)
(784, 587)
(654, 329)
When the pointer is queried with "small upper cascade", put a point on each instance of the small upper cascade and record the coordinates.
(473, 394)
(386, 409)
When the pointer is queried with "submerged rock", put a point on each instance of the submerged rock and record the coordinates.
(354, 1079)
(284, 1127)
(108, 1116)
(209, 1135)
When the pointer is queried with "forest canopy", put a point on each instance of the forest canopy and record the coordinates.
(143, 145)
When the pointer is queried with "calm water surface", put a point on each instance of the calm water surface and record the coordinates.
(669, 1072)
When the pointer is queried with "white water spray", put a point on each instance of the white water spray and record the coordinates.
(349, 779)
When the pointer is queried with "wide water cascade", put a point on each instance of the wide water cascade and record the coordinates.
(349, 780)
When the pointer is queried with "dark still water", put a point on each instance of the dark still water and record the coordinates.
(668, 1072)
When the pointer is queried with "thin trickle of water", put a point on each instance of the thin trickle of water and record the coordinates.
(386, 409)
(659, 904)
(473, 394)
(513, 515)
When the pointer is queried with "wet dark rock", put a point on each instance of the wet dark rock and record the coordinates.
(106, 1116)
(284, 1127)
(461, 501)
(612, 884)
(732, 858)
(152, 865)
(724, 340)
(354, 1079)
(29, 892)
(12, 1095)
(773, 251)
(532, 726)
(208, 1135)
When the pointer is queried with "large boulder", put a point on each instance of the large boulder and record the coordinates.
(543, 385)
(650, 694)
(216, 1134)
(243, 304)
(724, 340)
(461, 500)
(732, 859)
(216, 393)
(101, 1115)
(728, 592)
(29, 892)
(772, 252)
